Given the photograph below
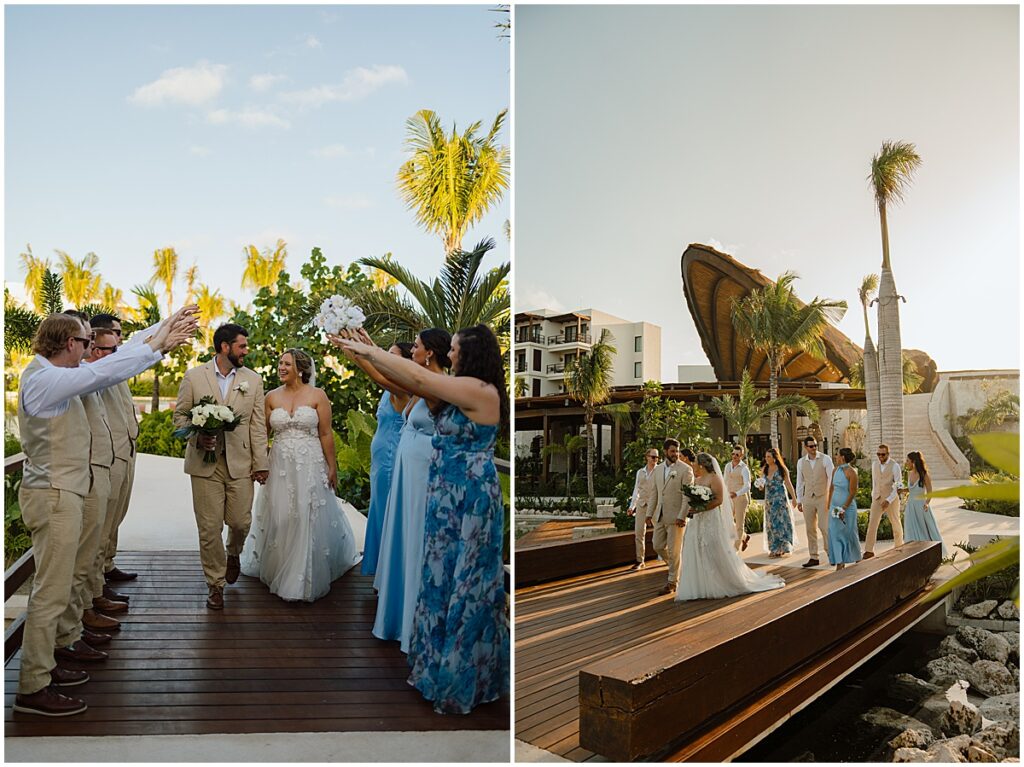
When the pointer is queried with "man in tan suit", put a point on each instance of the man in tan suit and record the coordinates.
(670, 508)
(641, 505)
(222, 492)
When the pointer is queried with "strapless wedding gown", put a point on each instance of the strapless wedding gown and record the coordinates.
(303, 537)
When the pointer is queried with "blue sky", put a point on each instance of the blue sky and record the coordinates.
(751, 128)
(130, 128)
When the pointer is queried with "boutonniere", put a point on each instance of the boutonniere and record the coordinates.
(671, 474)
(242, 387)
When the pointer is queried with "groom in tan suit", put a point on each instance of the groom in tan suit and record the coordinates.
(222, 492)
(670, 508)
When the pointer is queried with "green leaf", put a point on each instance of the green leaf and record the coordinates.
(998, 555)
(1004, 491)
(1001, 449)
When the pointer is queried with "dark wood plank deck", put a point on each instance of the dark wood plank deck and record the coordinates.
(260, 665)
(565, 625)
(558, 530)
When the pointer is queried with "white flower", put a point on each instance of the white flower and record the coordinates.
(243, 387)
(199, 419)
(338, 313)
(759, 483)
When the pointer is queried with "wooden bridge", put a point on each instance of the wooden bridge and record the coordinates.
(604, 666)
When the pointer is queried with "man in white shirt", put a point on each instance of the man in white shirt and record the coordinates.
(736, 476)
(55, 437)
(813, 479)
(641, 505)
(886, 481)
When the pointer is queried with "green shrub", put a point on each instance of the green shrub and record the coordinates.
(12, 444)
(999, 585)
(993, 506)
(754, 521)
(353, 452)
(884, 527)
(16, 537)
(156, 435)
(623, 521)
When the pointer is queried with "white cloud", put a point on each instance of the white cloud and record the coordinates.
(358, 83)
(248, 118)
(529, 298)
(349, 202)
(312, 42)
(266, 81)
(192, 86)
(200, 151)
(332, 151)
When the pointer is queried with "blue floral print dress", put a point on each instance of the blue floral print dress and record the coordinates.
(778, 524)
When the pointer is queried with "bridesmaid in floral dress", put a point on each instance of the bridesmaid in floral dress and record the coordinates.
(778, 524)
(459, 651)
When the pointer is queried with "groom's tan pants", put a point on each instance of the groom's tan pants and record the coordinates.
(668, 539)
(219, 500)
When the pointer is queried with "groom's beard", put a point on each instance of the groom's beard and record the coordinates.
(234, 360)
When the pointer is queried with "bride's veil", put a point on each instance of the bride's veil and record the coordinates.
(312, 371)
(726, 507)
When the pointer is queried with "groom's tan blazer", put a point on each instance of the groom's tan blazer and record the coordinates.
(670, 503)
(245, 448)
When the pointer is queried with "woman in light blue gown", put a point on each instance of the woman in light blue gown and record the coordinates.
(400, 562)
(843, 538)
(918, 521)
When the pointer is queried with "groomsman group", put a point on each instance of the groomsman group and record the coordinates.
(78, 427)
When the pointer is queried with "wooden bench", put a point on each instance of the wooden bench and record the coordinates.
(551, 561)
(646, 698)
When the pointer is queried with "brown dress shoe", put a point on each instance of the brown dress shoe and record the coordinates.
(114, 596)
(216, 599)
(48, 702)
(81, 652)
(95, 621)
(120, 575)
(67, 677)
(95, 638)
(234, 569)
(109, 606)
(668, 588)
(868, 555)
(638, 566)
(811, 563)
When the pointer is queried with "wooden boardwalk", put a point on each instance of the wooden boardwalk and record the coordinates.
(565, 625)
(260, 665)
(558, 530)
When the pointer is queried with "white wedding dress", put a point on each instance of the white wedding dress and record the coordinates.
(711, 568)
(303, 537)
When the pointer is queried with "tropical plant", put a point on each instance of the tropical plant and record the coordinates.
(999, 408)
(588, 379)
(891, 171)
(451, 181)
(165, 270)
(212, 307)
(911, 378)
(353, 452)
(149, 312)
(35, 268)
(80, 279)
(263, 269)
(571, 444)
(522, 386)
(867, 366)
(777, 323)
(191, 277)
(21, 323)
(112, 297)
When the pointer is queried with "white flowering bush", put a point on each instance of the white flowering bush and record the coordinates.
(337, 313)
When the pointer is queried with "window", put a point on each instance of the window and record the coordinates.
(536, 387)
(638, 370)
(638, 343)
(536, 359)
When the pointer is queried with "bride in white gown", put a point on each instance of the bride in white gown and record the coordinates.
(302, 537)
(711, 567)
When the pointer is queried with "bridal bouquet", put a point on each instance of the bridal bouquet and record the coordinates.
(337, 313)
(209, 419)
(699, 497)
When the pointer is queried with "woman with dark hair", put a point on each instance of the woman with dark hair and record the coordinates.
(843, 538)
(459, 652)
(918, 521)
(778, 522)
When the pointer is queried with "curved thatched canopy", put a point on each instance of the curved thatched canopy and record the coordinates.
(712, 283)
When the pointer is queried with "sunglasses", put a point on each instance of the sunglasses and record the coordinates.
(813, 444)
(85, 341)
(882, 455)
(106, 348)
(116, 331)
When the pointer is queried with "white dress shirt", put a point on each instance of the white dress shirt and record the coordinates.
(223, 381)
(829, 470)
(744, 471)
(878, 470)
(642, 473)
(48, 392)
(139, 336)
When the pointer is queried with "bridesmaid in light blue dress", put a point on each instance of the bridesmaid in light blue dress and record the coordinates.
(843, 538)
(918, 521)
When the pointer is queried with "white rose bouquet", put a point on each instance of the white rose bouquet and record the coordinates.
(337, 313)
(210, 419)
(699, 497)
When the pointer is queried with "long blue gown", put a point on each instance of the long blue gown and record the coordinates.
(843, 539)
(918, 522)
(459, 652)
(400, 563)
(778, 524)
(382, 458)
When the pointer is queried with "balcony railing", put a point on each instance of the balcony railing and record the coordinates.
(556, 367)
(570, 338)
(520, 367)
(536, 337)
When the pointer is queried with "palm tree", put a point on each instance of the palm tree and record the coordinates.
(588, 379)
(81, 280)
(777, 323)
(910, 377)
(522, 386)
(149, 312)
(461, 296)
(165, 270)
(891, 171)
(263, 269)
(451, 181)
(744, 413)
(35, 268)
(212, 306)
(112, 297)
(571, 444)
(21, 322)
(191, 276)
(869, 365)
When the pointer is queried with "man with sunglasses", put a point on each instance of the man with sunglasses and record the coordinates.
(813, 479)
(886, 482)
(641, 505)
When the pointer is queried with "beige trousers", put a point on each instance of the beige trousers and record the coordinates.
(815, 519)
(668, 540)
(739, 516)
(124, 498)
(108, 520)
(94, 510)
(640, 531)
(893, 512)
(54, 520)
(218, 500)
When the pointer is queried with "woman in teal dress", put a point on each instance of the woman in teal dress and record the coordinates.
(778, 522)
(843, 538)
(918, 521)
(459, 653)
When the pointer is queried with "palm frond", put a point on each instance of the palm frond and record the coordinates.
(892, 169)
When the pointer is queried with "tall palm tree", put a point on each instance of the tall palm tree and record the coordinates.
(112, 297)
(910, 377)
(149, 313)
(571, 444)
(165, 270)
(777, 324)
(451, 181)
(891, 171)
(35, 268)
(522, 386)
(588, 379)
(191, 276)
(212, 306)
(869, 366)
(460, 296)
(81, 280)
(263, 269)
(744, 413)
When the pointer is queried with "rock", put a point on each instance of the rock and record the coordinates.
(910, 755)
(980, 609)
(908, 687)
(960, 719)
(951, 645)
(893, 721)
(912, 739)
(948, 669)
(1013, 639)
(991, 678)
(988, 645)
(1008, 611)
(932, 709)
(1001, 739)
(979, 754)
(1001, 708)
(949, 750)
